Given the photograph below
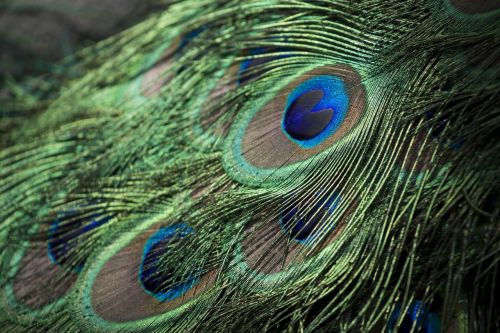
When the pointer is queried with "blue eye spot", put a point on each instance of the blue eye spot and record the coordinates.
(302, 220)
(154, 275)
(300, 123)
(314, 110)
(66, 233)
(417, 317)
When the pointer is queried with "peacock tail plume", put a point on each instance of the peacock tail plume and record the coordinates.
(259, 166)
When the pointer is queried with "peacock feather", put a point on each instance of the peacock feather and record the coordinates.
(259, 166)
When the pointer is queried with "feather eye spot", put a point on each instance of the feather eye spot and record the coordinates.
(66, 234)
(303, 220)
(315, 109)
(148, 276)
(418, 318)
(304, 226)
(154, 274)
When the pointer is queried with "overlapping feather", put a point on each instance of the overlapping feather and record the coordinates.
(417, 174)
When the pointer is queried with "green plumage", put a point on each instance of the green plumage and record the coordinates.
(163, 125)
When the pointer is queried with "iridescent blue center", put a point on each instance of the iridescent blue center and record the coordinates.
(304, 220)
(155, 276)
(314, 110)
(66, 233)
(417, 316)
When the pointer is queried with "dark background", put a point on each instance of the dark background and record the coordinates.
(36, 34)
